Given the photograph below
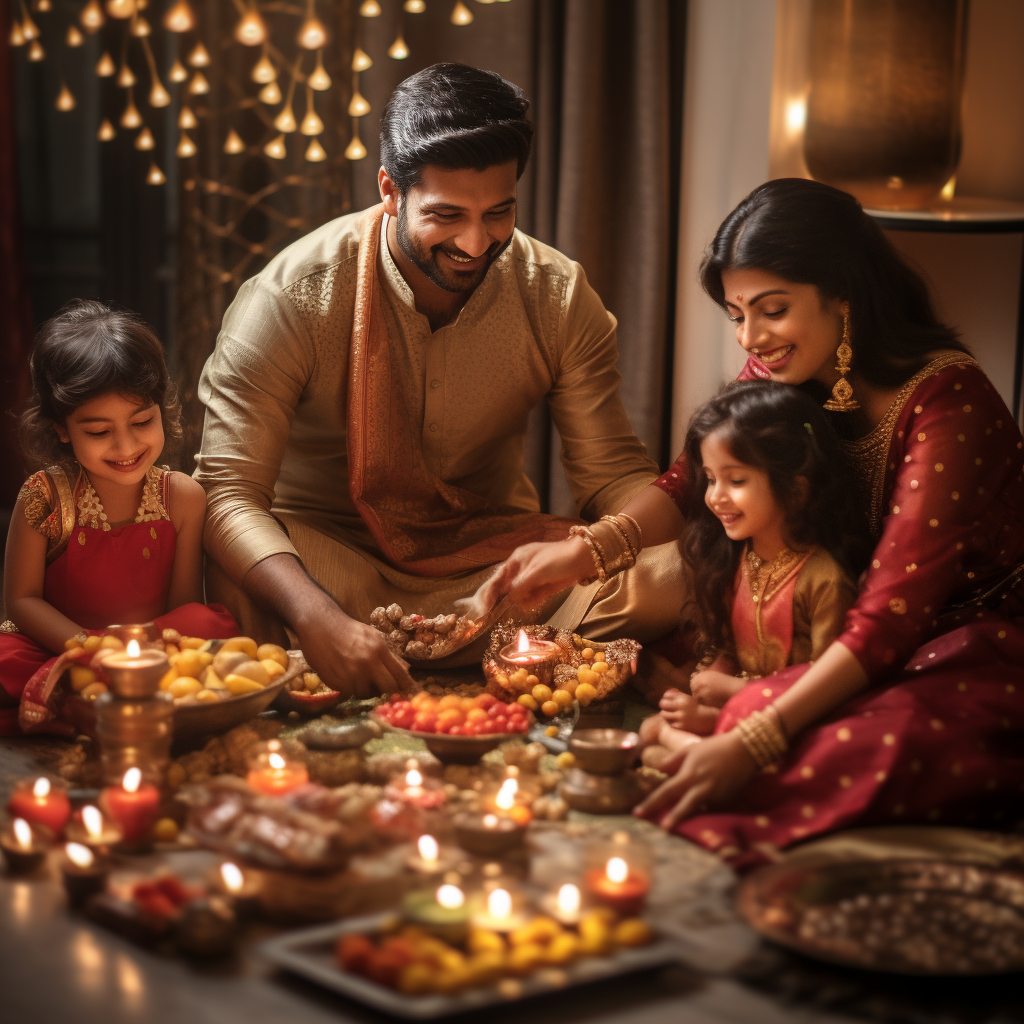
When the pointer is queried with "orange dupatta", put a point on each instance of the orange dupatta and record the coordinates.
(422, 524)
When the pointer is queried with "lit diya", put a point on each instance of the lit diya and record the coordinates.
(619, 885)
(273, 773)
(532, 656)
(41, 801)
(24, 848)
(91, 828)
(565, 905)
(134, 673)
(415, 790)
(443, 911)
(134, 806)
(240, 888)
(500, 913)
(431, 858)
(83, 872)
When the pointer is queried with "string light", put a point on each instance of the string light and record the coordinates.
(180, 18)
(199, 86)
(186, 119)
(311, 123)
(461, 14)
(358, 106)
(29, 29)
(178, 72)
(155, 175)
(106, 131)
(144, 140)
(74, 37)
(186, 147)
(319, 79)
(199, 57)
(105, 66)
(131, 118)
(125, 77)
(369, 9)
(414, 6)
(43, 6)
(355, 150)
(158, 95)
(285, 121)
(121, 9)
(17, 37)
(92, 17)
(252, 29)
(398, 50)
(276, 149)
(270, 94)
(65, 101)
(361, 61)
(312, 35)
(140, 27)
(233, 144)
(35, 51)
(315, 152)
(263, 70)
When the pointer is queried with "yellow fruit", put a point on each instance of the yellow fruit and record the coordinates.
(524, 959)
(184, 686)
(93, 690)
(272, 652)
(599, 656)
(92, 643)
(112, 643)
(273, 667)
(252, 670)
(566, 759)
(527, 700)
(600, 667)
(532, 681)
(212, 681)
(541, 693)
(170, 650)
(595, 946)
(587, 653)
(632, 932)
(545, 928)
(552, 731)
(549, 707)
(192, 642)
(168, 677)
(241, 684)
(311, 681)
(416, 980)
(585, 693)
(170, 636)
(563, 949)
(72, 644)
(189, 663)
(562, 697)
(452, 979)
(225, 662)
(241, 643)
(483, 941)
(519, 677)
(81, 677)
(594, 929)
(208, 696)
(485, 968)
(165, 830)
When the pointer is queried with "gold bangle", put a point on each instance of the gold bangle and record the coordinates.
(763, 739)
(588, 539)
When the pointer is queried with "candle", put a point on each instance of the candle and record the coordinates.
(488, 835)
(618, 885)
(430, 858)
(442, 912)
(272, 773)
(531, 657)
(134, 805)
(90, 828)
(565, 905)
(415, 790)
(142, 633)
(135, 673)
(84, 873)
(506, 803)
(24, 849)
(501, 914)
(41, 802)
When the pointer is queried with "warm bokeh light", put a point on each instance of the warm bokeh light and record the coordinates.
(361, 60)
(79, 855)
(232, 876)
(450, 897)
(499, 904)
(145, 141)
(276, 761)
(263, 70)
(398, 50)
(93, 821)
(358, 106)
(617, 870)
(199, 86)
(233, 144)
(41, 787)
(413, 778)
(186, 147)
(369, 9)
(178, 72)
(22, 833)
(461, 14)
(121, 8)
(251, 30)
(312, 35)
(180, 18)
(186, 119)
(158, 97)
(319, 79)
(315, 153)
(132, 779)
(73, 37)
(270, 94)
(106, 131)
(199, 57)
(428, 848)
(105, 66)
(154, 176)
(276, 149)
(490, 821)
(92, 17)
(569, 898)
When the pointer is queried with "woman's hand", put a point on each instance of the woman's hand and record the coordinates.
(708, 774)
(535, 572)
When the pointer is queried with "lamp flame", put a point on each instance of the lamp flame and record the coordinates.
(506, 795)
(413, 778)
(490, 821)
(450, 897)
(428, 848)
(569, 898)
(276, 761)
(79, 855)
(232, 876)
(523, 643)
(617, 870)
(133, 649)
(93, 821)
(499, 904)
(23, 833)
(132, 780)
(41, 788)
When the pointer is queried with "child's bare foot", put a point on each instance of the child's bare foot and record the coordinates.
(714, 689)
(682, 711)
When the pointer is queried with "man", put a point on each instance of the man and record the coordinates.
(367, 401)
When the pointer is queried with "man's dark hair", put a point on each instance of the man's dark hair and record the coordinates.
(453, 116)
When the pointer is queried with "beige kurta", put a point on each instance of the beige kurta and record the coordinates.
(274, 458)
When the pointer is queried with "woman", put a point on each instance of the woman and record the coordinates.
(916, 713)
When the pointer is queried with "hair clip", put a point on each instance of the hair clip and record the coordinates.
(809, 429)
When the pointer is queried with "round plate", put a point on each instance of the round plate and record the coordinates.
(922, 915)
(454, 749)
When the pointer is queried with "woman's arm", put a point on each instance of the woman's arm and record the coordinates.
(187, 501)
(24, 578)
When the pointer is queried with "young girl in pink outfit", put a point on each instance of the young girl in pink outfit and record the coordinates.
(102, 534)
(772, 545)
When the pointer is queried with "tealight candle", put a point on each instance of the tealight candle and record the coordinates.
(537, 657)
(134, 805)
(415, 790)
(41, 802)
(565, 905)
(23, 848)
(619, 885)
(135, 673)
(273, 773)
(505, 802)
(501, 914)
(430, 858)
(488, 835)
(442, 912)
(90, 828)
(84, 873)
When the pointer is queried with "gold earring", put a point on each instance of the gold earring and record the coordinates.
(842, 399)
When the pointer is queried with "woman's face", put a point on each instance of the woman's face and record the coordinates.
(786, 326)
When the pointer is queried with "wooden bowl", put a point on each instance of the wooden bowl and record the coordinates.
(454, 749)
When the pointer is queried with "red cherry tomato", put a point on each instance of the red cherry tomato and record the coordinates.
(499, 722)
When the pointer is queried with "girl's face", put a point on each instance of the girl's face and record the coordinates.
(742, 498)
(115, 438)
(786, 325)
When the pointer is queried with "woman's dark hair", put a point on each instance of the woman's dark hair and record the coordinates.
(87, 350)
(453, 116)
(782, 431)
(810, 233)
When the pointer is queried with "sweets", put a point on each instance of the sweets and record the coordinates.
(415, 636)
(451, 715)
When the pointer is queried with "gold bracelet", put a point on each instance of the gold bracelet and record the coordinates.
(763, 738)
(588, 539)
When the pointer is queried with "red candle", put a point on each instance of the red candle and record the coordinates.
(618, 885)
(41, 802)
(273, 774)
(134, 805)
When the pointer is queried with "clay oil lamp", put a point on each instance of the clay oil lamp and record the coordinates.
(240, 888)
(565, 904)
(83, 872)
(134, 807)
(24, 848)
(488, 835)
(500, 912)
(535, 657)
(135, 673)
(619, 874)
(443, 911)
(91, 828)
(431, 858)
(41, 801)
(273, 773)
(414, 789)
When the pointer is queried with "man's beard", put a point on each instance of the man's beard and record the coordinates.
(426, 259)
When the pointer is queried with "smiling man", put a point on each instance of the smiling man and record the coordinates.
(368, 398)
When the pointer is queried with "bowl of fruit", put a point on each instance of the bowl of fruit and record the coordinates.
(305, 692)
(456, 730)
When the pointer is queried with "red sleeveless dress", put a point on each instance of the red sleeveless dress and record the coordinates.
(97, 575)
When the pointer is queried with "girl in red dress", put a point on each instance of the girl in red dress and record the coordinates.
(771, 547)
(915, 714)
(102, 534)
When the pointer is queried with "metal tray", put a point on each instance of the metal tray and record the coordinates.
(310, 954)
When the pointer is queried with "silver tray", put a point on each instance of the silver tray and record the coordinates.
(310, 954)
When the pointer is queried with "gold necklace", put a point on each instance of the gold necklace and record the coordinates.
(90, 508)
(763, 577)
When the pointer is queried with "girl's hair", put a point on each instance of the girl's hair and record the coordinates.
(782, 431)
(810, 233)
(87, 350)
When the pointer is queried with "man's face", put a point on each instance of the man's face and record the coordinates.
(454, 224)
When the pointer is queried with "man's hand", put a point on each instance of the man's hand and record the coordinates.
(535, 572)
(708, 774)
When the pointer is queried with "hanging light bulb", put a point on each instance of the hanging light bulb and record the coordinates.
(319, 79)
(461, 14)
(125, 77)
(144, 140)
(355, 150)
(121, 8)
(311, 123)
(178, 72)
(369, 9)
(92, 16)
(105, 66)
(276, 148)
(158, 95)
(140, 27)
(233, 143)
(251, 30)
(17, 37)
(414, 6)
(186, 147)
(285, 121)
(180, 18)
(186, 119)
(315, 152)
(312, 35)
(43, 6)
(398, 50)
(106, 131)
(155, 175)
(199, 86)
(131, 118)
(360, 60)
(199, 57)
(29, 29)
(358, 106)
(65, 101)
(74, 36)
(35, 51)
(270, 94)
(264, 71)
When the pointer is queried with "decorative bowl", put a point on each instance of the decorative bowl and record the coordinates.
(454, 749)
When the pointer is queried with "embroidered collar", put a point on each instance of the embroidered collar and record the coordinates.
(90, 509)
(765, 578)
